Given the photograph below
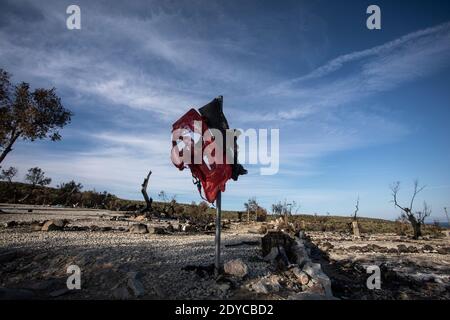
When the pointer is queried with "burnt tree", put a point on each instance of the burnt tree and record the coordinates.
(416, 218)
(148, 200)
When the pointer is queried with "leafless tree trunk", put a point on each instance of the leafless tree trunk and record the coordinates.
(446, 214)
(355, 214)
(416, 219)
(147, 199)
(355, 225)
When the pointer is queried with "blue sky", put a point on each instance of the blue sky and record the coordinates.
(357, 109)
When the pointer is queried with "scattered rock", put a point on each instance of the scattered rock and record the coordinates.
(36, 226)
(170, 228)
(141, 218)
(267, 285)
(236, 268)
(412, 249)
(10, 224)
(139, 228)
(427, 248)
(259, 287)
(53, 225)
(188, 228)
(157, 230)
(443, 250)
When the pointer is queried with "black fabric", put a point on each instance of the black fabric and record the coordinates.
(215, 119)
(213, 113)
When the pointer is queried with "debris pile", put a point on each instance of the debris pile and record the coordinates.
(294, 275)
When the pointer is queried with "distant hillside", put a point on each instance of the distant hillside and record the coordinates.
(12, 193)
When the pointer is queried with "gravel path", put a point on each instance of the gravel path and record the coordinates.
(107, 258)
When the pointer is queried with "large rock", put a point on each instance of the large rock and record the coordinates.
(236, 268)
(36, 226)
(53, 225)
(139, 228)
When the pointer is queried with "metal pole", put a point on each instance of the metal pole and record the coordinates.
(218, 219)
(218, 227)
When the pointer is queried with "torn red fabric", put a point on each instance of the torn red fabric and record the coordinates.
(191, 135)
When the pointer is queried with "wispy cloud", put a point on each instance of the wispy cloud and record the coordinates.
(357, 75)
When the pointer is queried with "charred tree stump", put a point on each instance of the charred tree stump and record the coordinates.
(355, 227)
(147, 199)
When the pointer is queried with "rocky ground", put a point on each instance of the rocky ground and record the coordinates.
(119, 261)
(410, 269)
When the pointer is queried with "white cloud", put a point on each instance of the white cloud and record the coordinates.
(374, 70)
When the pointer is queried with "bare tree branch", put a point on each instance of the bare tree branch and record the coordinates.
(415, 218)
(148, 200)
(416, 191)
(356, 209)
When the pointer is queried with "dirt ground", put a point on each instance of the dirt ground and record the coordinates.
(33, 264)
